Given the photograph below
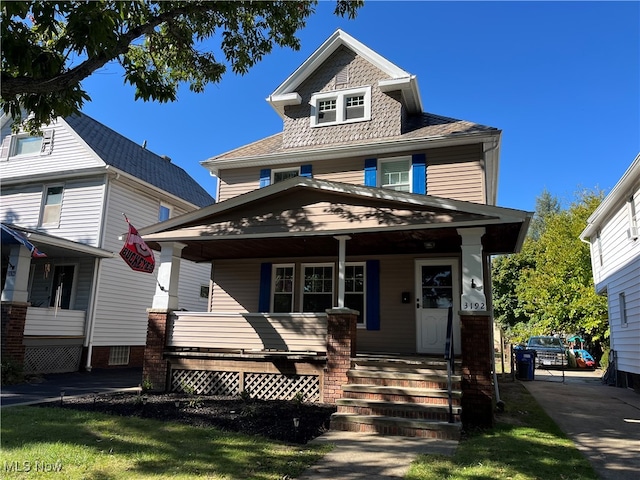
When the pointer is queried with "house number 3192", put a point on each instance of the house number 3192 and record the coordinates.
(474, 306)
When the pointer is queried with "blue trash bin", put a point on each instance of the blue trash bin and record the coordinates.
(525, 364)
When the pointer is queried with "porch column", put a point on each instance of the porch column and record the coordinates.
(341, 346)
(473, 297)
(17, 281)
(342, 247)
(154, 367)
(166, 296)
(477, 382)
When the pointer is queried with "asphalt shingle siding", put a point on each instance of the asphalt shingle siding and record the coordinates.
(127, 156)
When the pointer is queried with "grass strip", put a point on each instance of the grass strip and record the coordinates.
(525, 444)
(57, 443)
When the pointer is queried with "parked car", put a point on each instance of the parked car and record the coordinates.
(550, 351)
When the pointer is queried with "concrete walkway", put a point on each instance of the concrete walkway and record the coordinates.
(603, 421)
(360, 456)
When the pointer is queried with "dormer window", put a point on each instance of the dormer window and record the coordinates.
(341, 106)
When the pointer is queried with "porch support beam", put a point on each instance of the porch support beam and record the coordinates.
(17, 282)
(342, 248)
(166, 296)
(473, 297)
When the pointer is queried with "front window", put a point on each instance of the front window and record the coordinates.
(317, 287)
(283, 281)
(52, 204)
(284, 174)
(623, 309)
(354, 289)
(395, 174)
(27, 145)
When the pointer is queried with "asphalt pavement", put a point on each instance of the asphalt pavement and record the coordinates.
(46, 388)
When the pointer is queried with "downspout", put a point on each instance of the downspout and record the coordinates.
(96, 276)
(499, 402)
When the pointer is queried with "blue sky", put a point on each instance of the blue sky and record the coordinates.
(560, 79)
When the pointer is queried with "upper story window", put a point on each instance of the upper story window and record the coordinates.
(26, 145)
(341, 106)
(280, 175)
(164, 213)
(51, 205)
(395, 174)
(633, 232)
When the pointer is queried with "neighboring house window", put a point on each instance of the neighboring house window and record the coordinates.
(283, 282)
(164, 213)
(599, 247)
(317, 287)
(354, 290)
(204, 291)
(119, 355)
(623, 309)
(342, 106)
(633, 232)
(26, 145)
(52, 205)
(283, 174)
(395, 174)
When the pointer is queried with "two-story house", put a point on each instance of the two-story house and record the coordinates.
(364, 207)
(77, 304)
(613, 233)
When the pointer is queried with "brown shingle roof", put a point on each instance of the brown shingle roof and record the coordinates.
(423, 126)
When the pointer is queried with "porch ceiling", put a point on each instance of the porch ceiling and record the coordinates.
(501, 238)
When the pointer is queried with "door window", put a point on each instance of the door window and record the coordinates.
(437, 286)
(62, 285)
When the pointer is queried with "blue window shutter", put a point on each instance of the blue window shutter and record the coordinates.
(373, 295)
(370, 172)
(265, 177)
(306, 171)
(264, 299)
(419, 173)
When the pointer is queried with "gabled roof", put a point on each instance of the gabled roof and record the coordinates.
(300, 216)
(129, 157)
(629, 181)
(398, 79)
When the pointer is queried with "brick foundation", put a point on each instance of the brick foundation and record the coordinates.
(155, 368)
(341, 346)
(14, 316)
(477, 384)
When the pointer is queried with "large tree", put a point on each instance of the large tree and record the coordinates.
(548, 286)
(49, 47)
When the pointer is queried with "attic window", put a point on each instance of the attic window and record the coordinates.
(344, 106)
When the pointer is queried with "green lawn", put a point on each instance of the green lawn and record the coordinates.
(524, 445)
(43, 442)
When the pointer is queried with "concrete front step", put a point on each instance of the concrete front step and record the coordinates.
(424, 411)
(395, 426)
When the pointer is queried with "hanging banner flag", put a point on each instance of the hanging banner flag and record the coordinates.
(9, 235)
(136, 253)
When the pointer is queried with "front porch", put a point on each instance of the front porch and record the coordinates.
(313, 357)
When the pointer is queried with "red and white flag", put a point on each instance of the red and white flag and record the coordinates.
(136, 253)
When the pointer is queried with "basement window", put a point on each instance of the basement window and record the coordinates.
(119, 355)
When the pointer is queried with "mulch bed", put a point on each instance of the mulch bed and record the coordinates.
(271, 419)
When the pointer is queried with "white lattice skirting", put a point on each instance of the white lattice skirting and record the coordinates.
(264, 386)
(52, 359)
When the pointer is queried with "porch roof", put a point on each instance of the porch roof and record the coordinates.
(54, 246)
(300, 216)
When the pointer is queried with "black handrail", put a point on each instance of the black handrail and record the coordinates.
(449, 356)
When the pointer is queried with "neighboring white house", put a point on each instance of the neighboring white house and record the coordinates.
(613, 233)
(66, 192)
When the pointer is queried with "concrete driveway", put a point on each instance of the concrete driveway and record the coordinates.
(603, 421)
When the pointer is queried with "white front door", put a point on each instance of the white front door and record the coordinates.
(437, 288)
